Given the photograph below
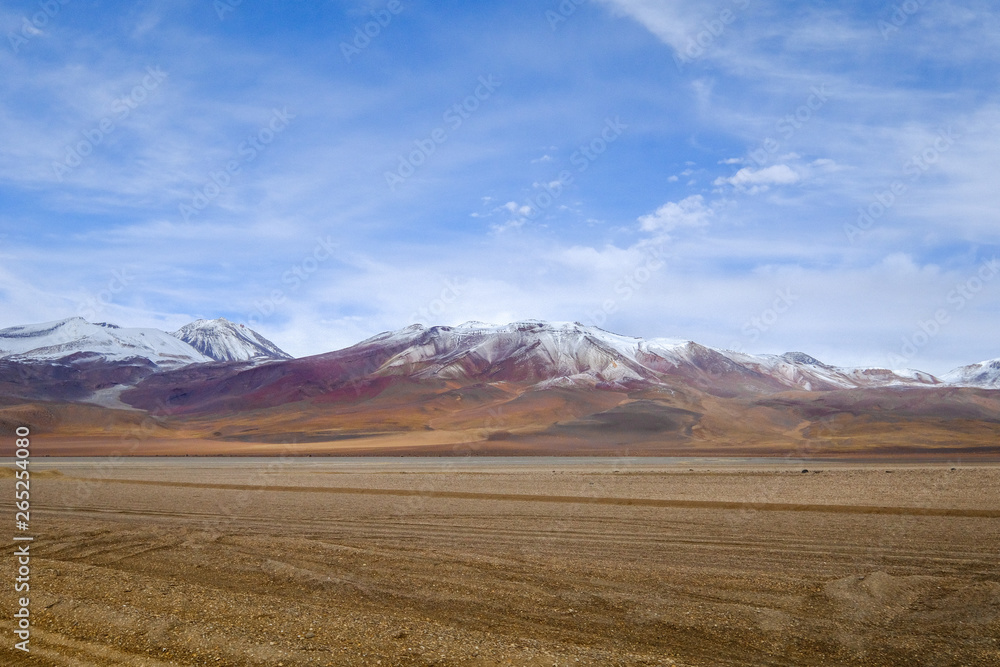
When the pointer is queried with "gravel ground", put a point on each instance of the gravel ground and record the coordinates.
(235, 563)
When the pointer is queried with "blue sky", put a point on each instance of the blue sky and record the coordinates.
(751, 174)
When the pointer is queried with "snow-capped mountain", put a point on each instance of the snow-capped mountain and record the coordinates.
(527, 387)
(521, 351)
(544, 352)
(985, 374)
(76, 339)
(214, 361)
(799, 370)
(223, 340)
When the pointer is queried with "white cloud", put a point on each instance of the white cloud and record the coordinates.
(607, 260)
(855, 298)
(900, 263)
(500, 228)
(517, 209)
(668, 21)
(758, 180)
(688, 212)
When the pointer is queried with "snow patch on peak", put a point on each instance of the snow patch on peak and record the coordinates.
(52, 341)
(222, 340)
(68, 326)
(524, 350)
(799, 370)
(801, 358)
(476, 324)
(985, 374)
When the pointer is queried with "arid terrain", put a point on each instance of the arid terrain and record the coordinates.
(461, 561)
(524, 389)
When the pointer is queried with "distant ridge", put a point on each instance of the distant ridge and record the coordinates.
(570, 353)
(527, 387)
(536, 351)
(75, 339)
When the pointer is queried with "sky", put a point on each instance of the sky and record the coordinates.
(757, 175)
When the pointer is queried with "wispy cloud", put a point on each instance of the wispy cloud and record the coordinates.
(753, 180)
(756, 131)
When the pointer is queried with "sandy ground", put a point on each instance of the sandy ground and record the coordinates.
(458, 562)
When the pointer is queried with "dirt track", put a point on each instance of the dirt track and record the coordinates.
(209, 562)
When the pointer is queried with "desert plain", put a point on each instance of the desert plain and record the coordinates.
(510, 561)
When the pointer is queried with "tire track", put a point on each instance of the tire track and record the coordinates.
(592, 500)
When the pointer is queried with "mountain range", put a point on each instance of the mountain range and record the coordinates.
(525, 387)
(75, 339)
